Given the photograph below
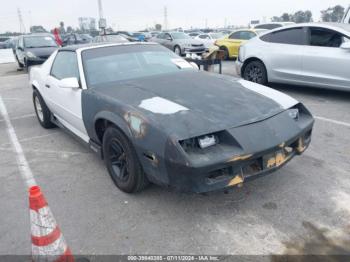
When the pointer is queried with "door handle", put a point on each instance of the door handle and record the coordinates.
(47, 85)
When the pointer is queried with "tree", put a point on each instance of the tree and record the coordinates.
(302, 17)
(158, 27)
(276, 19)
(333, 14)
(286, 17)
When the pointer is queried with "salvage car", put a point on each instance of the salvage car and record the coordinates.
(180, 43)
(154, 118)
(310, 54)
(231, 43)
(34, 49)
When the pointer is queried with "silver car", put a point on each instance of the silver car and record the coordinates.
(310, 54)
(180, 43)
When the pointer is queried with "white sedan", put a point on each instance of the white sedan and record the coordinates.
(310, 54)
(209, 39)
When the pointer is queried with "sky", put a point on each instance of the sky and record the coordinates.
(137, 14)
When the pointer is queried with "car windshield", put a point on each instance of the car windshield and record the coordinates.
(217, 35)
(180, 35)
(39, 41)
(110, 65)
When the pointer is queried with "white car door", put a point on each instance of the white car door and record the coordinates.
(283, 54)
(325, 63)
(65, 103)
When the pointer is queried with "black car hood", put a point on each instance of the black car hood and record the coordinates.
(42, 51)
(212, 102)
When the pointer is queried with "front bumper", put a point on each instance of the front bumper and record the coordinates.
(238, 66)
(264, 148)
(191, 50)
(36, 60)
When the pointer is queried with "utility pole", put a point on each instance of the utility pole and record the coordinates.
(22, 28)
(102, 23)
(165, 18)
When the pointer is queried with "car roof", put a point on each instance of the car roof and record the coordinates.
(97, 45)
(341, 27)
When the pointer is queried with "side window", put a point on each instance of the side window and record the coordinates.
(325, 37)
(161, 36)
(247, 35)
(293, 36)
(65, 65)
(235, 35)
(204, 37)
(167, 36)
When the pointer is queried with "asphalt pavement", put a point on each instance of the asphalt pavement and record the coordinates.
(303, 208)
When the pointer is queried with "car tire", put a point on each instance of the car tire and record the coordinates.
(255, 71)
(20, 65)
(177, 50)
(226, 52)
(42, 111)
(122, 162)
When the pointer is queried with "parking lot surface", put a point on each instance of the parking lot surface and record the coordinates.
(303, 208)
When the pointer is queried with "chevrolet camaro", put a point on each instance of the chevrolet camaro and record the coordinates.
(154, 118)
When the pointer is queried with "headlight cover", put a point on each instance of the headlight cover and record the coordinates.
(30, 55)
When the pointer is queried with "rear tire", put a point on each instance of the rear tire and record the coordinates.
(122, 162)
(42, 111)
(255, 71)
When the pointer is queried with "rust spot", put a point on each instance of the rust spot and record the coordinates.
(301, 147)
(240, 158)
(277, 160)
(152, 157)
(136, 123)
(237, 180)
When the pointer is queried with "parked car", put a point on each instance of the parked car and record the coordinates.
(34, 49)
(273, 25)
(346, 18)
(152, 117)
(76, 39)
(209, 39)
(110, 39)
(180, 43)
(128, 35)
(312, 54)
(231, 43)
(4, 42)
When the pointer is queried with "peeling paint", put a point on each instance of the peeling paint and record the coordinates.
(240, 158)
(301, 147)
(237, 180)
(160, 105)
(136, 123)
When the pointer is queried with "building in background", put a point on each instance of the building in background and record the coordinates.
(87, 23)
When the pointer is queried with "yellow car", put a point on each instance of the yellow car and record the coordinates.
(231, 43)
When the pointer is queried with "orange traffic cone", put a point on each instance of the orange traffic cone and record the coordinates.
(48, 243)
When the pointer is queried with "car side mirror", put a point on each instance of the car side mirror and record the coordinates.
(169, 39)
(345, 45)
(71, 82)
